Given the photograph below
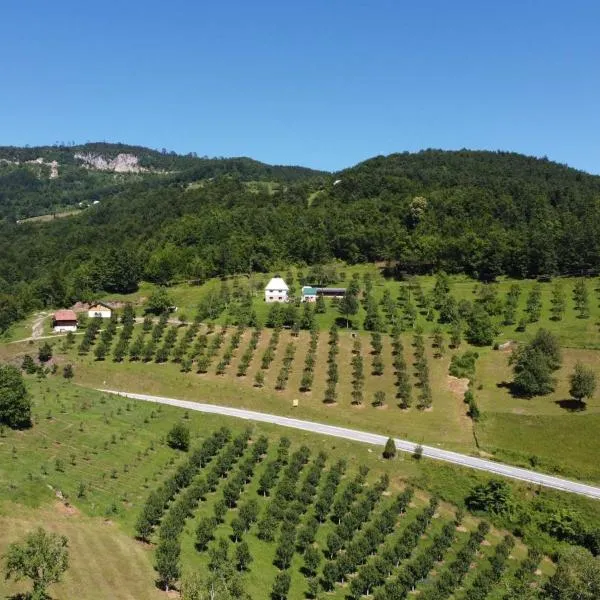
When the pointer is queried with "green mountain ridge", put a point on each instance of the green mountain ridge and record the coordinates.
(44, 179)
(484, 214)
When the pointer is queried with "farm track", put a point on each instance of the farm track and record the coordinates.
(496, 468)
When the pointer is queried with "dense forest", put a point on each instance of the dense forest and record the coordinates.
(481, 213)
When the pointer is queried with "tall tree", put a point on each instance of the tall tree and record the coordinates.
(15, 403)
(348, 306)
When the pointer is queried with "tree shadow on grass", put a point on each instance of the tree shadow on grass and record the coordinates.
(571, 405)
(513, 390)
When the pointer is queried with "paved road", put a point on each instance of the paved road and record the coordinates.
(464, 460)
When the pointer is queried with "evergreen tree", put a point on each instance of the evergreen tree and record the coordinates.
(390, 449)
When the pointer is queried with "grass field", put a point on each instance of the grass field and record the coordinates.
(104, 561)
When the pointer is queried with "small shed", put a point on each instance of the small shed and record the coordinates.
(309, 293)
(64, 320)
(99, 310)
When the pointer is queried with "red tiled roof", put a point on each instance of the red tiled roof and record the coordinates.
(65, 315)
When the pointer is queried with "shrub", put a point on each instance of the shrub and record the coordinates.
(178, 437)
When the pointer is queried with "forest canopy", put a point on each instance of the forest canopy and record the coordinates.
(485, 214)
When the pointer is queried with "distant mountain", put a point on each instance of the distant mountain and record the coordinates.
(43, 179)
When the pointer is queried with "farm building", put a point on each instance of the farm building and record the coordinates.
(331, 292)
(309, 293)
(276, 290)
(64, 320)
(99, 310)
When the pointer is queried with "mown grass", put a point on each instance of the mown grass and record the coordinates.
(104, 562)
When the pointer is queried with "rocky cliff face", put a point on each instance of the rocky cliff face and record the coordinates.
(53, 165)
(122, 163)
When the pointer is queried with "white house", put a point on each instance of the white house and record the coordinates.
(99, 310)
(276, 290)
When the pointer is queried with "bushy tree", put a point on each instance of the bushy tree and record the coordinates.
(178, 437)
(480, 327)
(28, 365)
(577, 577)
(348, 306)
(243, 558)
(534, 363)
(281, 586)
(583, 382)
(42, 557)
(159, 301)
(167, 562)
(45, 352)
(494, 497)
(312, 560)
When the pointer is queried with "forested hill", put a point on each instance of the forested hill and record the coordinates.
(45, 179)
(499, 172)
(481, 213)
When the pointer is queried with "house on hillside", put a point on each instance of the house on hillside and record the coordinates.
(276, 290)
(99, 310)
(64, 320)
(309, 293)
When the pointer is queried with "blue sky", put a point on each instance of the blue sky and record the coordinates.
(323, 83)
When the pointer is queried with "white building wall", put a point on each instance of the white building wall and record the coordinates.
(273, 295)
(103, 314)
(64, 328)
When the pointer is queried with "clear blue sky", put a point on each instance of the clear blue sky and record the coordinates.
(322, 83)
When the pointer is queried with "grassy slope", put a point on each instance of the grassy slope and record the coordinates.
(75, 427)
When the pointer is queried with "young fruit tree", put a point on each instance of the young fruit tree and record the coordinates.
(42, 557)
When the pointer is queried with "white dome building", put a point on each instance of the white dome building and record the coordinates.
(276, 290)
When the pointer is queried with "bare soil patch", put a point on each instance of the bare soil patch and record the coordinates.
(458, 386)
(66, 509)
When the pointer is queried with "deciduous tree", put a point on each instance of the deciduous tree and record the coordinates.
(43, 557)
